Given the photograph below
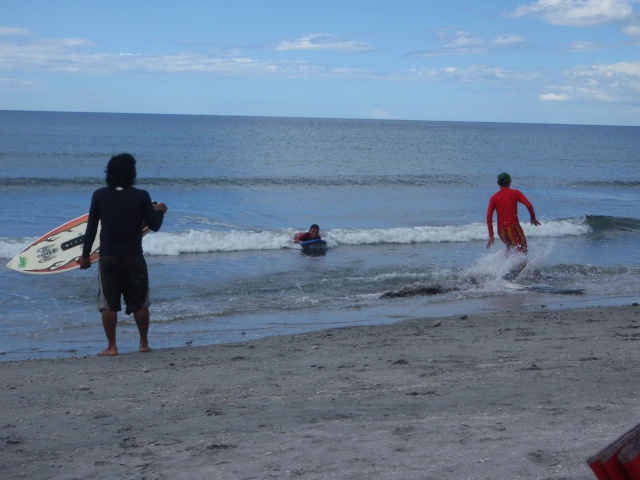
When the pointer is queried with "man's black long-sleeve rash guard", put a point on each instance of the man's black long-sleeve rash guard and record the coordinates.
(121, 211)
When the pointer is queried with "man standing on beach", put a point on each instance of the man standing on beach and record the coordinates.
(122, 209)
(505, 202)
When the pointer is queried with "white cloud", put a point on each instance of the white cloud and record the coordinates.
(323, 41)
(474, 74)
(8, 84)
(465, 40)
(467, 43)
(76, 56)
(584, 47)
(578, 13)
(382, 114)
(632, 30)
(14, 31)
(508, 40)
(612, 83)
(554, 97)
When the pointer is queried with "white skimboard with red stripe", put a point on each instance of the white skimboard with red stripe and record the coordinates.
(58, 251)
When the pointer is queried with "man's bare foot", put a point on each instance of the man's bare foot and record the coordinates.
(108, 352)
(144, 348)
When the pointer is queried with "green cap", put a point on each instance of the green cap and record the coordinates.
(504, 179)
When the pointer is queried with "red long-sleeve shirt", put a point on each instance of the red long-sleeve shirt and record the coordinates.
(505, 202)
(305, 236)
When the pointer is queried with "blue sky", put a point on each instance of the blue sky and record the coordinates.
(538, 61)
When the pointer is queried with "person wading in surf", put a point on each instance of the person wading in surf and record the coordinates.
(505, 202)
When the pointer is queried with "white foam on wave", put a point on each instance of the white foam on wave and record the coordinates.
(10, 247)
(204, 241)
(208, 240)
(423, 234)
(558, 228)
(453, 233)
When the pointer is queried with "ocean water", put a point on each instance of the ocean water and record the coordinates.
(401, 204)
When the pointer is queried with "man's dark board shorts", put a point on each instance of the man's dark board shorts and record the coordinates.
(123, 276)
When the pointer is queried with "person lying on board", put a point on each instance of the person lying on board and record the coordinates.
(312, 234)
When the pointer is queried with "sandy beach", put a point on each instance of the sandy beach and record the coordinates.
(507, 395)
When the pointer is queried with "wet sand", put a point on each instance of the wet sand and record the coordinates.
(507, 395)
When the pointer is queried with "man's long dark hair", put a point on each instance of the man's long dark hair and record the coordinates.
(121, 171)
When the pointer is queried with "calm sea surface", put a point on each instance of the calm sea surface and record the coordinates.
(401, 204)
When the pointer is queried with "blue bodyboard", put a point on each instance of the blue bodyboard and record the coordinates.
(317, 243)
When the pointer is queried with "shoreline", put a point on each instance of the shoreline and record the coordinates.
(88, 341)
(512, 394)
